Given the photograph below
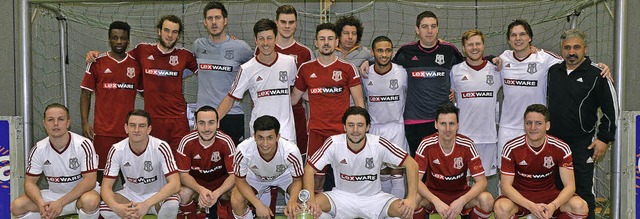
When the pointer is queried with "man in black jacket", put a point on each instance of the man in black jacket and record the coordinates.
(575, 92)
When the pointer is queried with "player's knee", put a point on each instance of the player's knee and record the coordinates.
(578, 205)
(486, 201)
(237, 200)
(185, 195)
(503, 208)
(19, 206)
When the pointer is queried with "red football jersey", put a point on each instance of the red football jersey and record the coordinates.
(206, 163)
(448, 172)
(534, 172)
(162, 79)
(328, 89)
(114, 84)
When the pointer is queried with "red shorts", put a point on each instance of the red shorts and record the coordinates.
(102, 144)
(212, 185)
(540, 197)
(170, 130)
(300, 121)
(317, 138)
(448, 197)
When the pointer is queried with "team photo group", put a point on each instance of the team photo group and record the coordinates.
(341, 130)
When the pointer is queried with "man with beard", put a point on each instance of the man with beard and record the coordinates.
(219, 58)
(330, 81)
(114, 77)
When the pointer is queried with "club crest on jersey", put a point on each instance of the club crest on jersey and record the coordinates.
(337, 75)
(173, 60)
(131, 72)
(215, 156)
(490, 80)
(280, 168)
(147, 166)
(283, 76)
(439, 59)
(228, 54)
(393, 84)
(548, 162)
(369, 163)
(73, 163)
(532, 68)
(457, 163)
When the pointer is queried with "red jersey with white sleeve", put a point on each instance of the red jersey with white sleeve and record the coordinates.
(206, 163)
(162, 79)
(62, 169)
(114, 83)
(287, 162)
(328, 89)
(447, 172)
(534, 171)
(144, 173)
(357, 172)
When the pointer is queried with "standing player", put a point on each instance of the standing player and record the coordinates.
(428, 63)
(350, 32)
(330, 81)
(114, 77)
(219, 58)
(575, 94)
(529, 165)
(386, 92)
(356, 158)
(268, 77)
(205, 160)
(476, 85)
(68, 162)
(446, 157)
(148, 167)
(263, 161)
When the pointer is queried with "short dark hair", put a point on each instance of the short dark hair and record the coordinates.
(356, 110)
(139, 112)
(172, 18)
(380, 39)
(286, 9)
(264, 25)
(326, 26)
(446, 109)
(266, 123)
(206, 108)
(55, 105)
(120, 25)
(351, 21)
(215, 5)
(538, 108)
(523, 23)
(426, 14)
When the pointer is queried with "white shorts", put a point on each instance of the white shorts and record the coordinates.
(489, 155)
(283, 182)
(394, 132)
(349, 205)
(505, 135)
(135, 197)
(48, 195)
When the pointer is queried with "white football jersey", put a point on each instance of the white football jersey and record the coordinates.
(476, 90)
(144, 173)
(386, 94)
(62, 169)
(287, 162)
(269, 87)
(525, 83)
(357, 172)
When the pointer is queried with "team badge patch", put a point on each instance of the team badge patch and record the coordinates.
(490, 80)
(173, 60)
(393, 84)
(439, 59)
(369, 163)
(532, 68)
(147, 166)
(337, 75)
(280, 168)
(228, 54)
(548, 162)
(131, 72)
(215, 156)
(73, 163)
(283, 76)
(457, 163)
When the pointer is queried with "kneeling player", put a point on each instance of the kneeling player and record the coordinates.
(266, 160)
(69, 163)
(445, 157)
(529, 165)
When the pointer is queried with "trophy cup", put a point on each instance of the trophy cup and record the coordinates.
(304, 212)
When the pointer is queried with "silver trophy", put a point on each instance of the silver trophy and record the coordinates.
(304, 212)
